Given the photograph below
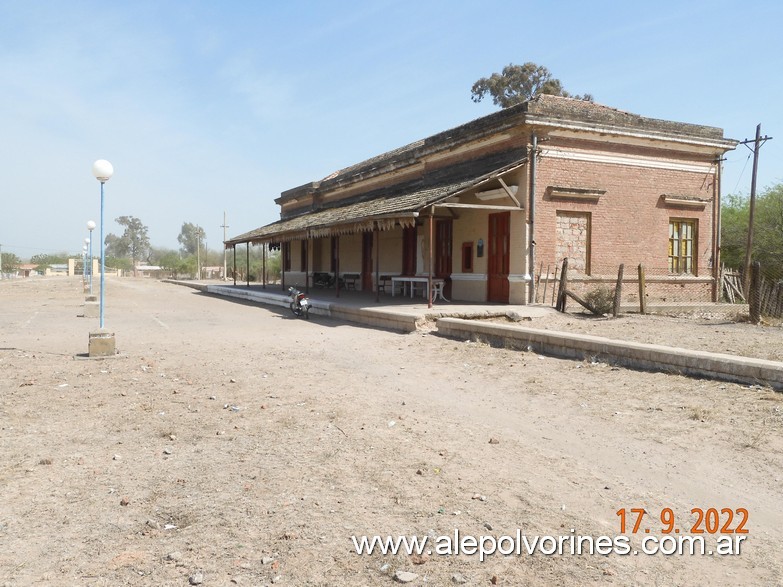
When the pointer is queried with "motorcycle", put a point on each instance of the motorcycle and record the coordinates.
(300, 304)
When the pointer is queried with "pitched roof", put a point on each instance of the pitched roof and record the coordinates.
(407, 198)
(413, 153)
(385, 207)
(545, 110)
(569, 111)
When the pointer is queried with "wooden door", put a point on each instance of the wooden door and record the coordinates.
(442, 254)
(409, 250)
(498, 255)
(442, 250)
(303, 256)
(367, 239)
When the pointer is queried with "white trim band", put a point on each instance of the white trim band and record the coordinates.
(621, 160)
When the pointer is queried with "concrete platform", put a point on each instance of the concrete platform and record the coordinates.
(635, 355)
(461, 321)
(403, 314)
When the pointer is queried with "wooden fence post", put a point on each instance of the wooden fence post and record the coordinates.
(642, 291)
(754, 294)
(618, 291)
(546, 284)
(561, 296)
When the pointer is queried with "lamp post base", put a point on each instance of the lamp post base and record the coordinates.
(91, 309)
(102, 343)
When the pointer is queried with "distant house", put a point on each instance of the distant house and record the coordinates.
(488, 206)
(58, 269)
(212, 272)
(27, 270)
(153, 271)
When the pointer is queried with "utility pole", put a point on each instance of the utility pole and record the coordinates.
(757, 142)
(224, 226)
(198, 252)
(1, 261)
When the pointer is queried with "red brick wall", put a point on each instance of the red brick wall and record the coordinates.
(630, 222)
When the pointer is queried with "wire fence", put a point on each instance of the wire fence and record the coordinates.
(764, 287)
(647, 289)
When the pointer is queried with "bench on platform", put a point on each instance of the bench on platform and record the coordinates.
(350, 280)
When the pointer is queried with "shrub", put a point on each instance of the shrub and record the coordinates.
(601, 299)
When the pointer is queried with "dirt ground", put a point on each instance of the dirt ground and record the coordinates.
(232, 444)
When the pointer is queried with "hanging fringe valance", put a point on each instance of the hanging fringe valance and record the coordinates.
(342, 229)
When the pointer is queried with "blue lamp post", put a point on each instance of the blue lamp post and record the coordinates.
(86, 248)
(90, 227)
(84, 263)
(102, 170)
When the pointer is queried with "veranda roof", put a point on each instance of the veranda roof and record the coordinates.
(382, 209)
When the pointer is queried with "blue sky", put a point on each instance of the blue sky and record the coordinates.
(206, 107)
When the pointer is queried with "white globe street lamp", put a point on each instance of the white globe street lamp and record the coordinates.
(102, 170)
(90, 227)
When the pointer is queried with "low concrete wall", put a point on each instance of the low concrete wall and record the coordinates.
(193, 284)
(261, 297)
(648, 357)
(399, 321)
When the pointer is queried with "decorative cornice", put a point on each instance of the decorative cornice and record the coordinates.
(569, 193)
(684, 201)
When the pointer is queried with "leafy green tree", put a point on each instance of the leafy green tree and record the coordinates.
(273, 266)
(169, 260)
(114, 247)
(133, 243)
(189, 238)
(123, 263)
(767, 234)
(157, 253)
(188, 267)
(179, 266)
(43, 261)
(734, 230)
(520, 83)
(9, 262)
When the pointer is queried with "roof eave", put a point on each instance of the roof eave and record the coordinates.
(722, 144)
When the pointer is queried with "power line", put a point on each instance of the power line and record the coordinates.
(742, 173)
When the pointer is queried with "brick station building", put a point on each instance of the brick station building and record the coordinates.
(491, 208)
